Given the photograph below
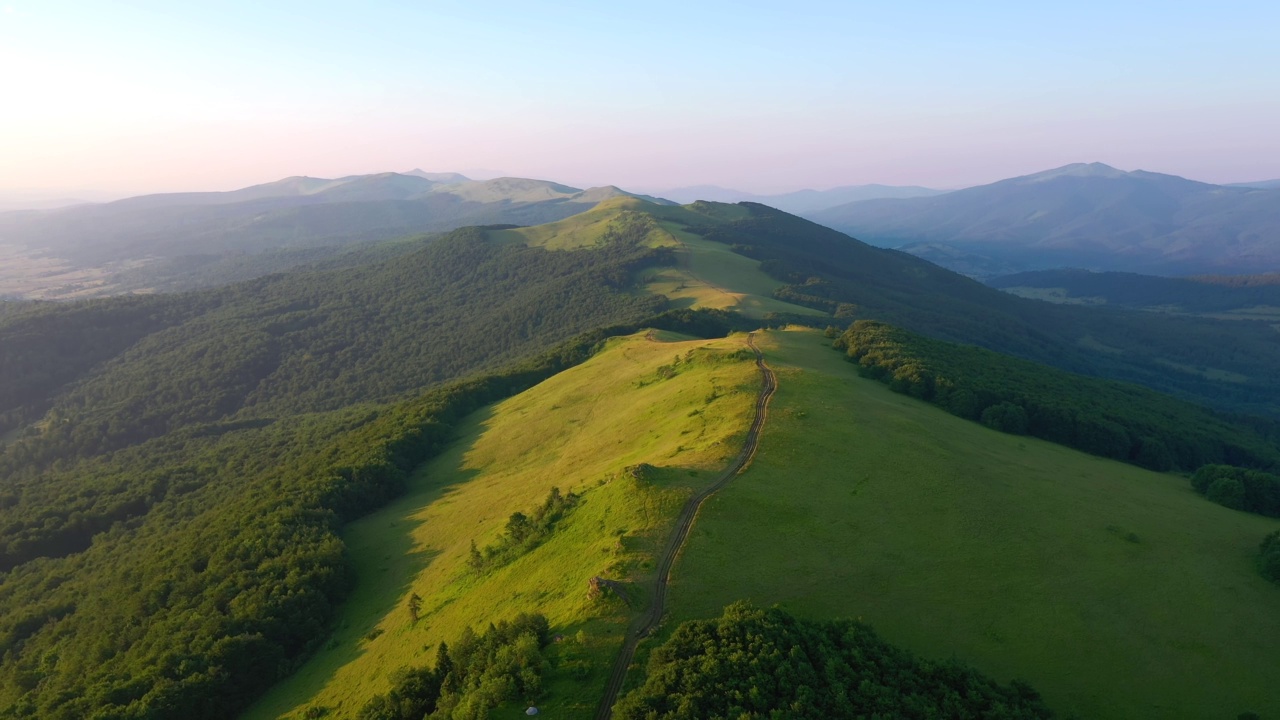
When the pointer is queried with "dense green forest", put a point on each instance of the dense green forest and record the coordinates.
(1229, 365)
(756, 664)
(1101, 417)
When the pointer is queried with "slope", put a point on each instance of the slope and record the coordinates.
(704, 274)
(201, 454)
(631, 432)
(1024, 558)
(952, 539)
(1081, 215)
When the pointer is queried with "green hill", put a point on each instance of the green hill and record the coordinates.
(676, 407)
(1115, 591)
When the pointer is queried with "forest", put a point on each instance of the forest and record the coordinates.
(753, 664)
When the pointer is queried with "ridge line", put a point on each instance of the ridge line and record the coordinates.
(643, 626)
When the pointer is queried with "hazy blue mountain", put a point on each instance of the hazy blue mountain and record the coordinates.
(1083, 215)
(440, 177)
(1259, 184)
(800, 202)
(161, 241)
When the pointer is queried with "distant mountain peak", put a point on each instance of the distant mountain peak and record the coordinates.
(1091, 170)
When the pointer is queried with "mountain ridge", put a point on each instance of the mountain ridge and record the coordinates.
(1083, 215)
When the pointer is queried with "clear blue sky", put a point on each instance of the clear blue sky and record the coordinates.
(143, 96)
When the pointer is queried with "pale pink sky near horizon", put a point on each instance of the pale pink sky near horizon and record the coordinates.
(140, 96)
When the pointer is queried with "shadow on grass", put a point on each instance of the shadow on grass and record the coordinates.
(385, 561)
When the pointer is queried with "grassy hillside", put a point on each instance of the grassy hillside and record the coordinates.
(1115, 591)
(633, 403)
(704, 274)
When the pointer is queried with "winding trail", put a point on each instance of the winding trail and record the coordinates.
(645, 624)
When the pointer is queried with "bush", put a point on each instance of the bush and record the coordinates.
(1269, 557)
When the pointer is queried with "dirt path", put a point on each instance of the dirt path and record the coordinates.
(646, 623)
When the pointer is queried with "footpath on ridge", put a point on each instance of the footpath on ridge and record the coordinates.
(645, 624)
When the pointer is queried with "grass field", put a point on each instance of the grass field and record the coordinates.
(576, 431)
(1117, 592)
(707, 274)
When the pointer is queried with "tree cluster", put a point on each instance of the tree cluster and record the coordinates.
(523, 532)
(1239, 488)
(1269, 557)
(753, 664)
(475, 675)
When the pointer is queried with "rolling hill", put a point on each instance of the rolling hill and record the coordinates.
(188, 479)
(1083, 215)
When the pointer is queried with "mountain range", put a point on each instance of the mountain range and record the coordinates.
(1083, 215)
(174, 241)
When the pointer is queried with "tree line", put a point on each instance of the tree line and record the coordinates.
(1113, 420)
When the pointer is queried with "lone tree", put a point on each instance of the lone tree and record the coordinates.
(415, 606)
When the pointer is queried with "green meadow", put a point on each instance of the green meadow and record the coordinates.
(679, 406)
(706, 273)
(1116, 592)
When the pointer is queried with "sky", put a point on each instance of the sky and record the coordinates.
(131, 97)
